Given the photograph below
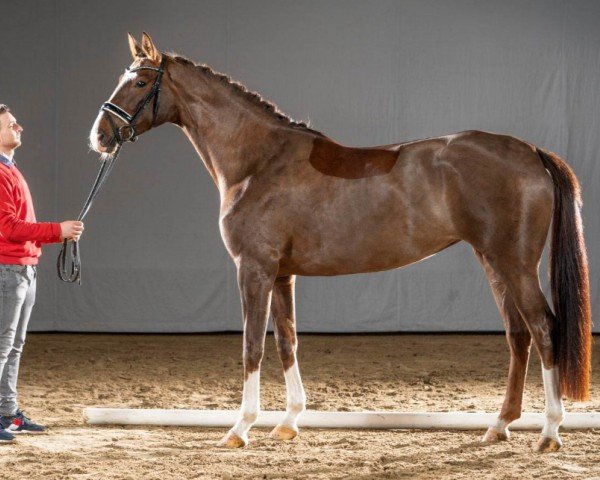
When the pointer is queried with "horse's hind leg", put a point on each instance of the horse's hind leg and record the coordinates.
(523, 283)
(284, 321)
(519, 342)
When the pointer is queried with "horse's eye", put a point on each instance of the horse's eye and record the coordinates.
(140, 84)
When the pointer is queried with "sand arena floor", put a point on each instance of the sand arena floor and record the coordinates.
(62, 374)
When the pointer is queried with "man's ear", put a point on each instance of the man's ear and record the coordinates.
(134, 46)
(149, 49)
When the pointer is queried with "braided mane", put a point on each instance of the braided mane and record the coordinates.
(253, 97)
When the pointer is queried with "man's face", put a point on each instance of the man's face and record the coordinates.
(10, 131)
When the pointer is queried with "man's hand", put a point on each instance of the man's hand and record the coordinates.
(71, 230)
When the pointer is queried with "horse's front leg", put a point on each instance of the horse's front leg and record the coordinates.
(256, 283)
(284, 322)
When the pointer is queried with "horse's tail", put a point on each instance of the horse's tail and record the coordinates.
(572, 336)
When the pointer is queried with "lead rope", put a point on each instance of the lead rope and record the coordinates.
(75, 275)
(108, 164)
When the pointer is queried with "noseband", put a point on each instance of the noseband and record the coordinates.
(127, 132)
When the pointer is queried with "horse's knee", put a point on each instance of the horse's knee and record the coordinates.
(287, 352)
(285, 339)
(253, 353)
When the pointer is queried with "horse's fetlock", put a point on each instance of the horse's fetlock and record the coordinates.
(556, 415)
(296, 407)
(512, 418)
(250, 417)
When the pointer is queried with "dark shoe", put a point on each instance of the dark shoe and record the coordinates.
(19, 423)
(6, 436)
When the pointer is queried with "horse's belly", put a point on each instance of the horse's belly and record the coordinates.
(360, 251)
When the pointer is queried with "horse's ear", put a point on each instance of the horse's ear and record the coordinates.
(134, 46)
(149, 49)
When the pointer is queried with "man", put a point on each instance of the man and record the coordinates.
(21, 238)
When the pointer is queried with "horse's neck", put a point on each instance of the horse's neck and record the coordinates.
(230, 136)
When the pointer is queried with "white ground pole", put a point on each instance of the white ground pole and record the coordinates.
(318, 419)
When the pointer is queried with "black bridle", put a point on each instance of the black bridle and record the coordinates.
(108, 163)
(129, 127)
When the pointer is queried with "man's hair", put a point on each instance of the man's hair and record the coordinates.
(3, 109)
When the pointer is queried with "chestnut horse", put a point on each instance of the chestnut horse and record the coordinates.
(294, 202)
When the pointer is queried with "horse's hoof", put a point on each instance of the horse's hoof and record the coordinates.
(546, 444)
(281, 432)
(493, 435)
(231, 440)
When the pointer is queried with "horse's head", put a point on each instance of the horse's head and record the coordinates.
(140, 100)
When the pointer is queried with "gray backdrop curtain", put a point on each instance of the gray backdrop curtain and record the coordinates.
(365, 73)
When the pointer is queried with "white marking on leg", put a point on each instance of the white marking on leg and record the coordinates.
(555, 411)
(296, 398)
(502, 427)
(498, 431)
(250, 406)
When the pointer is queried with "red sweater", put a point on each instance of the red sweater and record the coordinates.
(21, 237)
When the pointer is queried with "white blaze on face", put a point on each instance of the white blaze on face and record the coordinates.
(125, 78)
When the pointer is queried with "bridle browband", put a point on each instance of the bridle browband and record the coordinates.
(120, 133)
(108, 163)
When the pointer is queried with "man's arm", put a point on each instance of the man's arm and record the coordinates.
(17, 230)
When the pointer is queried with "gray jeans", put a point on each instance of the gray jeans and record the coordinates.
(17, 296)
